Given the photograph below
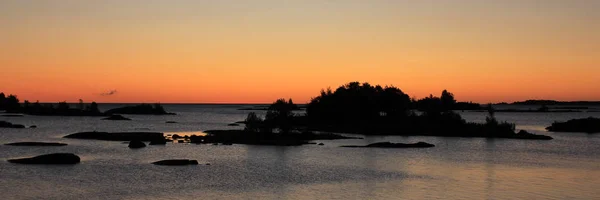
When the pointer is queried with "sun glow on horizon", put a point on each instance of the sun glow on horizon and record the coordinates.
(256, 52)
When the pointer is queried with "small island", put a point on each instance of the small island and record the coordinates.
(116, 117)
(584, 125)
(118, 136)
(142, 109)
(5, 124)
(176, 162)
(37, 144)
(393, 145)
(49, 159)
(263, 137)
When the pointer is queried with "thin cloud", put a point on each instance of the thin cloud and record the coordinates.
(109, 93)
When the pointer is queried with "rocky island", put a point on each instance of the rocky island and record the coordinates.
(584, 125)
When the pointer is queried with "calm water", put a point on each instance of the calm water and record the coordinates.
(567, 167)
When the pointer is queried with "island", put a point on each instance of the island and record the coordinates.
(584, 125)
(371, 110)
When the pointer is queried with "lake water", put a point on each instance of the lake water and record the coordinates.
(567, 167)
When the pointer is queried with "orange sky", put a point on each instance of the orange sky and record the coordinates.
(257, 51)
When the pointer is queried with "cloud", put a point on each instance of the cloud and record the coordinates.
(109, 93)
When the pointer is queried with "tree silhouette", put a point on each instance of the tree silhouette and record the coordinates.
(280, 115)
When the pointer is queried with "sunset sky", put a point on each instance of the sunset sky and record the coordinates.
(242, 51)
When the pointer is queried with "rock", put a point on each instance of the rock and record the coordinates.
(176, 137)
(135, 144)
(158, 142)
(33, 126)
(171, 122)
(4, 124)
(233, 124)
(55, 158)
(321, 144)
(176, 162)
(393, 145)
(118, 136)
(41, 144)
(117, 118)
(13, 115)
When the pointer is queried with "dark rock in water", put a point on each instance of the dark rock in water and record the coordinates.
(135, 144)
(158, 142)
(33, 126)
(321, 144)
(4, 124)
(176, 137)
(55, 158)
(13, 115)
(41, 144)
(233, 124)
(180, 141)
(522, 134)
(171, 122)
(118, 136)
(393, 145)
(261, 138)
(584, 125)
(175, 162)
(117, 118)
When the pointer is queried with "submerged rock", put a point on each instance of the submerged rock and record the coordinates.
(5, 124)
(175, 162)
(41, 144)
(33, 126)
(233, 124)
(171, 122)
(117, 118)
(393, 145)
(55, 158)
(135, 144)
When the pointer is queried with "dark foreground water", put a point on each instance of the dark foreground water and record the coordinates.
(567, 167)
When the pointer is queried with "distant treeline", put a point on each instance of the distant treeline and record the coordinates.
(11, 104)
(554, 102)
